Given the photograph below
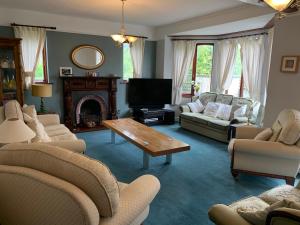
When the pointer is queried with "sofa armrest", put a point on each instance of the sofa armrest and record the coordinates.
(75, 145)
(224, 215)
(184, 108)
(49, 119)
(267, 148)
(134, 199)
(50, 200)
(247, 132)
(284, 216)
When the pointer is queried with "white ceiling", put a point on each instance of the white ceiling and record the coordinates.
(142, 12)
(226, 28)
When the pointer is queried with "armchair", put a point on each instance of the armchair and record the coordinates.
(279, 158)
(42, 184)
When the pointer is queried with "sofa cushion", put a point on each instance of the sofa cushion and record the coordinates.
(196, 107)
(207, 97)
(240, 112)
(39, 130)
(265, 135)
(2, 116)
(196, 117)
(218, 123)
(224, 99)
(30, 111)
(280, 193)
(91, 176)
(13, 110)
(224, 111)
(290, 122)
(60, 129)
(64, 137)
(238, 102)
(211, 109)
(276, 129)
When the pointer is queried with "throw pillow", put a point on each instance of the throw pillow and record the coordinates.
(38, 128)
(240, 112)
(276, 128)
(211, 109)
(30, 111)
(13, 110)
(259, 217)
(196, 107)
(265, 135)
(224, 112)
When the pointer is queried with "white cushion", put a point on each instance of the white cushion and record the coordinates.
(249, 204)
(13, 110)
(196, 107)
(38, 128)
(224, 112)
(265, 135)
(276, 128)
(211, 109)
(240, 112)
(30, 111)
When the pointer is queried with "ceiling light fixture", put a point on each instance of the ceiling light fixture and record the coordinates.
(122, 37)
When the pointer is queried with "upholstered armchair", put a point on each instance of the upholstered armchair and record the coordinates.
(277, 157)
(43, 184)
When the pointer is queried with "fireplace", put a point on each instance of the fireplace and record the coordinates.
(90, 111)
(88, 101)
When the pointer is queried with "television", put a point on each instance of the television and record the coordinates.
(149, 93)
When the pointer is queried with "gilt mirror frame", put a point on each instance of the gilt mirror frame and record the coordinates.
(77, 48)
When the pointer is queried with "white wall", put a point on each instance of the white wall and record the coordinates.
(283, 88)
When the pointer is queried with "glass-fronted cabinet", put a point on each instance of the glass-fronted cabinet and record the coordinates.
(11, 84)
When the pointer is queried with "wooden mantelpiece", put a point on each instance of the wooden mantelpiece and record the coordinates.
(79, 83)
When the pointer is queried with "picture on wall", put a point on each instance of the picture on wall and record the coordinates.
(65, 71)
(290, 64)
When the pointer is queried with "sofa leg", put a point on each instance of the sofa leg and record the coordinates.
(234, 173)
(290, 181)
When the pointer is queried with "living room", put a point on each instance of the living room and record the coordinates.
(194, 60)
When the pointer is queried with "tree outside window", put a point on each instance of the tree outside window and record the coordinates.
(127, 63)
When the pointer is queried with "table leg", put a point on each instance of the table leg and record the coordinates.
(145, 160)
(169, 159)
(113, 137)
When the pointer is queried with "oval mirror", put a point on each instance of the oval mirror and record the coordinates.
(87, 57)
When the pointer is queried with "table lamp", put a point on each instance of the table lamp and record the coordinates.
(15, 131)
(42, 91)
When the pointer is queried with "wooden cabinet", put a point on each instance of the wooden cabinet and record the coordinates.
(11, 82)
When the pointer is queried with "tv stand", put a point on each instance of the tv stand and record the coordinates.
(154, 116)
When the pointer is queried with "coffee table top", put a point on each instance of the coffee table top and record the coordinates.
(153, 142)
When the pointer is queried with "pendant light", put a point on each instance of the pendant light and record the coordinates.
(279, 5)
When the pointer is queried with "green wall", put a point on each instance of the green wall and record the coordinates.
(59, 47)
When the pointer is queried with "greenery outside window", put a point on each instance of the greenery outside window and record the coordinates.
(200, 71)
(41, 75)
(127, 63)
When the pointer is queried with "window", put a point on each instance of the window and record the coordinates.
(200, 70)
(127, 63)
(41, 68)
(237, 87)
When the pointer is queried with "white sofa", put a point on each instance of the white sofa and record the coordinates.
(47, 185)
(277, 157)
(59, 134)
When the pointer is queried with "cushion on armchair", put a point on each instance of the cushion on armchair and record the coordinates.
(265, 135)
(13, 110)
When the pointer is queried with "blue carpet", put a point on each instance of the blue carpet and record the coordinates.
(194, 181)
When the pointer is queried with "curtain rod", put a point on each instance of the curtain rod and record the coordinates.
(23, 25)
(217, 38)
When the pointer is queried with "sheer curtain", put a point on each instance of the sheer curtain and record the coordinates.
(183, 56)
(137, 55)
(33, 40)
(224, 58)
(256, 52)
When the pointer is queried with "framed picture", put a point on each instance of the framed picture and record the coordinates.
(290, 64)
(65, 71)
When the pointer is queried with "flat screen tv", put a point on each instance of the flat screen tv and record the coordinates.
(149, 93)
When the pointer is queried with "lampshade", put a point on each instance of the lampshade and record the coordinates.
(15, 131)
(279, 5)
(42, 90)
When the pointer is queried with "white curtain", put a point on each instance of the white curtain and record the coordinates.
(223, 65)
(33, 40)
(183, 56)
(256, 51)
(137, 55)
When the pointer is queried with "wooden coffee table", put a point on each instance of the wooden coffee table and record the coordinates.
(146, 138)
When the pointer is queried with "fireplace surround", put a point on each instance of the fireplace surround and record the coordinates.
(96, 102)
